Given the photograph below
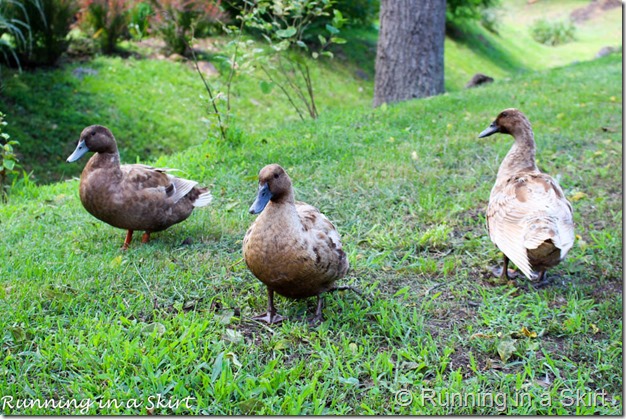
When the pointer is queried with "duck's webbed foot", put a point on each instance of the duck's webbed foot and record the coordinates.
(542, 280)
(503, 272)
(319, 316)
(271, 317)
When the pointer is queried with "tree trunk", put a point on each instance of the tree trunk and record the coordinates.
(409, 57)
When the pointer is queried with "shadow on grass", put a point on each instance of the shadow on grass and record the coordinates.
(478, 41)
(150, 107)
(45, 112)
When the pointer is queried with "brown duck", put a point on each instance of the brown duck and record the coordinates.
(291, 247)
(528, 217)
(131, 196)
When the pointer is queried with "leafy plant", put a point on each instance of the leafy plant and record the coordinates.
(139, 24)
(358, 13)
(14, 30)
(459, 10)
(8, 160)
(553, 33)
(176, 20)
(105, 20)
(50, 22)
(221, 116)
(284, 25)
(489, 19)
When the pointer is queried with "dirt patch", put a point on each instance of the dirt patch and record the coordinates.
(593, 9)
(608, 289)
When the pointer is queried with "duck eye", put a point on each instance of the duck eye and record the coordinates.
(93, 133)
(504, 114)
(275, 175)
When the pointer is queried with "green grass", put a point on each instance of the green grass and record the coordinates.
(407, 186)
(157, 107)
(513, 50)
(152, 107)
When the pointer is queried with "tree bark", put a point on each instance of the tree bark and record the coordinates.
(409, 56)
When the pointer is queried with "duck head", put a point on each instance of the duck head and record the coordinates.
(94, 138)
(509, 121)
(274, 185)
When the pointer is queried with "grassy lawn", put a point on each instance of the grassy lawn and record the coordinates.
(165, 327)
(154, 107)
(513, 50)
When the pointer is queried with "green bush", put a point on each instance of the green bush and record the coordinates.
(139, 24)
(489, 19)
(553, 33)
(357, 13)
(8, 160)
(176, 20)
(50, 22)
(459, 10)
(14, 30)
(105, 20)
(285, 28)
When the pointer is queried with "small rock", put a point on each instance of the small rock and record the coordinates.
(207, 68)
(606, 51)
(81, 72)
(176, 57)
(361, 74)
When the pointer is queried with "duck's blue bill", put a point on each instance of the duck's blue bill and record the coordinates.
(81, 150)
(262, 198)
(491, 129)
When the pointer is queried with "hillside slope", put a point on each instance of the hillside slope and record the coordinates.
(157, 107)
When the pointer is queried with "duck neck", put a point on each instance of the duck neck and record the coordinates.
(106, 160)
(283, 214)
(521, 156)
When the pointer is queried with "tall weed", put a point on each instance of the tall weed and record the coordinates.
(9, 163)
(106, 21)
(176, 20)
(50, 22)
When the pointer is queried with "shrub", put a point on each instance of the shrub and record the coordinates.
(139, 24)
(8, 160)
(175, 20)
(459, 11)
(50, 22)
(355, 12)
(467, 9)
(358, 12)
(14, 30)
(489, 19)
(553, 33)
(285, 26)
(106, 21)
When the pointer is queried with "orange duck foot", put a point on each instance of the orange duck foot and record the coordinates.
(129, 238)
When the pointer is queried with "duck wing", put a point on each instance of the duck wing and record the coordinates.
(327, 242)
(525, 211)
(313, 220)
(151, 180)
